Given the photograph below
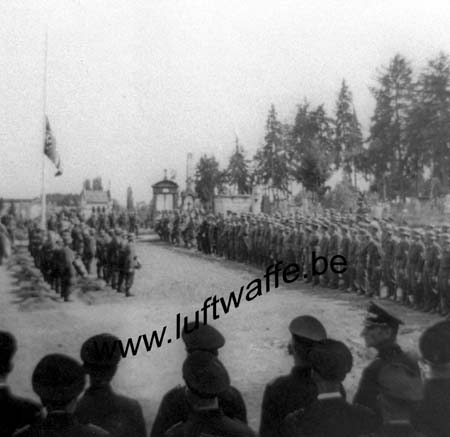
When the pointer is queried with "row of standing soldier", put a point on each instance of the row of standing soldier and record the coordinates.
(77, 249)
(409, 265)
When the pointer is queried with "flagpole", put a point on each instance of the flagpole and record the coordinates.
(43, 194)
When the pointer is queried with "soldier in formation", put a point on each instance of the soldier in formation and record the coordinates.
(383, 260)
(72, 248)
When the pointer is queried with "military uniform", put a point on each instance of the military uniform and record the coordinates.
(100, 405)
(68, 273)
(374, 267)
(333, 250)
(296, 390)
(127, 264)
(330, 415)
(444, 278)
(58, 380)
(430, 273)
(378, 389)
(432, 417)
(401, 262)
(113, 255)
(16, 412)
(323, 252)
(388, 247)
(174, 407)
(205, 378)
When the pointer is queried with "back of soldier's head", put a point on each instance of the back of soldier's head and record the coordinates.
(330, 360)
(202, 337)
(8, 347)
(58, 380)
(434, 344)
(101, 355)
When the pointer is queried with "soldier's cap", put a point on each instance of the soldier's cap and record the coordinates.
(58, 378)
(331, 359)
(100, 352)
(430, 235)
(324, 225)
(434, 344)
(379, 316)
(445, 228)
(446, 238)
(130, 236)
(205, 375)
(307, 327)
(198, 336)
(8, 347)
(118, 232)
(374, 225)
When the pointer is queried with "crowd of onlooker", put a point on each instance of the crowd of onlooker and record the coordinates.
(396, 396)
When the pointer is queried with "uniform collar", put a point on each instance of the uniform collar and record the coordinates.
(331, 395)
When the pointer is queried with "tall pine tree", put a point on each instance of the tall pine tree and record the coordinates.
(434, 92)
(238, 173)
(388, 148)
(272, 158)
(311, 147)
(348, 137)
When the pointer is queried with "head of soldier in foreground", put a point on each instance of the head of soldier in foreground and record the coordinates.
(330, 361)
(201, 337)
(58, 380)
(100, 355)
(205, 377)
(434, 346)
(8, 348)
(305, 331)
(380, 327)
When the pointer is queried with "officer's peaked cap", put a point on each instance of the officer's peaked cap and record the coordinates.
(307, 327)
(378, 315)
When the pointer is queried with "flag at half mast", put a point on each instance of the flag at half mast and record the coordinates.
(50, 148)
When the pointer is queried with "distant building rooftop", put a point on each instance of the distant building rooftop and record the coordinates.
(165, 183)
(94, 196)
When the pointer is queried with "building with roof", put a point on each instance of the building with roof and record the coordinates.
(165, 195)
(98, 201)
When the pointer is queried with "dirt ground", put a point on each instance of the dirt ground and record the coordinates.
(175, 280)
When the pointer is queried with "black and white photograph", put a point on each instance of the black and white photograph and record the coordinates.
(225, 218)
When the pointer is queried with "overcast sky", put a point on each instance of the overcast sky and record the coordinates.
(134, 85)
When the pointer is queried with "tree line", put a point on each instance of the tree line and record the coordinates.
(406, 152)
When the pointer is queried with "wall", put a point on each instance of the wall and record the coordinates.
(237, 203)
